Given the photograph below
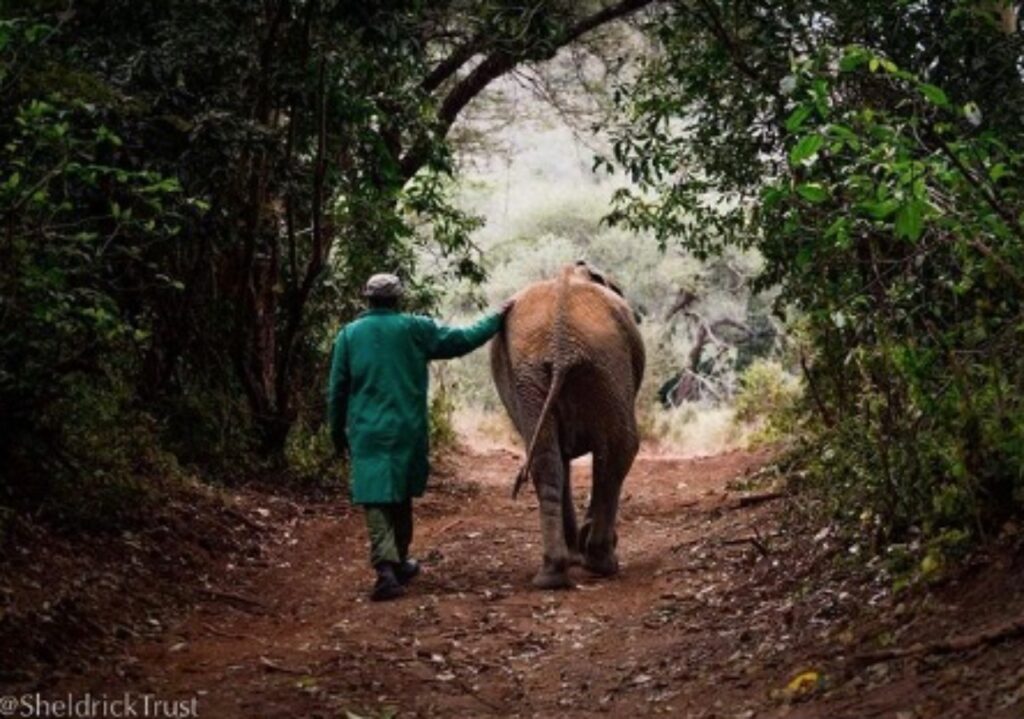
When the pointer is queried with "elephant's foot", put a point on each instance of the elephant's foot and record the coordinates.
(575, 558)
(553, 575)
(600, 558)
(552, 579)
(605, 564)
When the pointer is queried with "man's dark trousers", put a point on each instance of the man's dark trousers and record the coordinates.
(390, 530)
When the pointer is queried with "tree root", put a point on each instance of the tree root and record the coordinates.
(752, 498)
(271, 665)
(221, 633)
(960, 643)
(246, 604)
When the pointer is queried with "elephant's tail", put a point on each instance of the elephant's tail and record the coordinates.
(560, 364)
(557, 378)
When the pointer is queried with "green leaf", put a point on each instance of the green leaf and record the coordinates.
(910, 220)
(882, 209)
(771, 197)
(972, 113)
(839, 231)
(812, 192)
(854, 58)
(934, 94)
(820, 91)
(844, 135)
(806, 148)
(167, 184)
(104, 134)
(804, 256)
(34, 32)
(919, 188)
(797, 117)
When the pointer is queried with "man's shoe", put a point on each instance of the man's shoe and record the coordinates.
(387, 586)
(406, 571)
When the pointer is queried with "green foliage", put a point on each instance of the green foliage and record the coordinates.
(83, 225)
(108, 465)
(766, 393)
(210, 431)
(926, 313)
(880, 180)
(312, 460)
(440, 416)
(191, 197)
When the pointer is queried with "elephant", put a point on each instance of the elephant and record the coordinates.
(568, 364)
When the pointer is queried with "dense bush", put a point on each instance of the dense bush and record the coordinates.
(312, 461)
(766, 392)
(924, 206)
(869, 151)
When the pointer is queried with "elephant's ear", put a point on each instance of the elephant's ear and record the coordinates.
(602, 280)
(595, 274)
(599, 277)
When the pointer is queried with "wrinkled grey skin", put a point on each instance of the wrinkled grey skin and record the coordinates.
(572, 343)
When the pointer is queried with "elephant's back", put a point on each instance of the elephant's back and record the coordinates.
(598, 325)
(529, 326)
(602, 354)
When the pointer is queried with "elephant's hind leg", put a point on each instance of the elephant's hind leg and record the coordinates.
(569, 517)
(598, 536)
(548, 468)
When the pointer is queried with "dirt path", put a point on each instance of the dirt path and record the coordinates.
(712, 615)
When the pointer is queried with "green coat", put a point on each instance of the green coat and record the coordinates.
(377, 396)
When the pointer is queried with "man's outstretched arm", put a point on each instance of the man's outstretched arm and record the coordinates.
(445, 342)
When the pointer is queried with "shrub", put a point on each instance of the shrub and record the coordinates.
(93, 462)
(442, 429)
(768, 397)
(312, 460)
(440, 414)
(887, 211)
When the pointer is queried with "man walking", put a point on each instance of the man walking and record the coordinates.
(377, 409)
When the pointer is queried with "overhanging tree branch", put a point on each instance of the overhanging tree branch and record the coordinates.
(499, 62)
(451, 64)
(714, 23)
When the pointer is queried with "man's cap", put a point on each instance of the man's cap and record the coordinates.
(383, 285)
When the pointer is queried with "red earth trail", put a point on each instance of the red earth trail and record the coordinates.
(722, 609)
